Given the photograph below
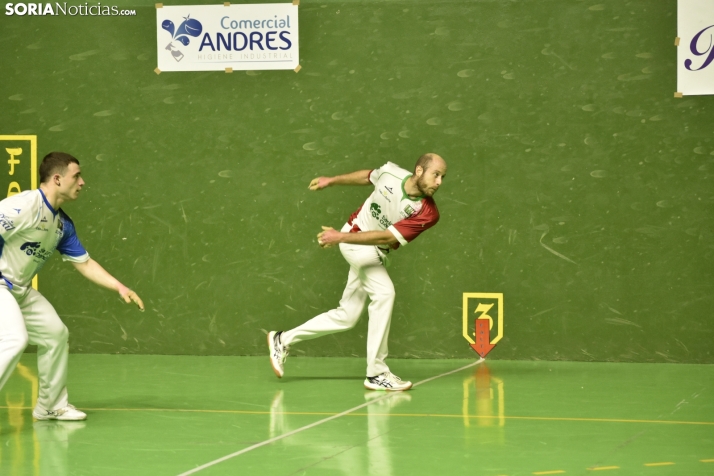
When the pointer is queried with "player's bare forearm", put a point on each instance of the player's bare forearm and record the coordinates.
(369, 238)
(94, 272)
(330, 237)
(361, 177)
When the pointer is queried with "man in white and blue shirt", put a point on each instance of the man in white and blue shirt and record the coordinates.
(399, 209)
(32, 227)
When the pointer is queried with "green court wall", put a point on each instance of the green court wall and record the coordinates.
(578, 186)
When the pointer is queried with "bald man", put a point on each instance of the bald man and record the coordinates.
(400, 209)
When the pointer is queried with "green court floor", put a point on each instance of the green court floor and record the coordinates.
(178, 415)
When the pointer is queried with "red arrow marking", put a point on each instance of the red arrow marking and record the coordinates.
(483, 345)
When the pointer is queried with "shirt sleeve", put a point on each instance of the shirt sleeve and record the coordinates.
(406, 231)
(374, 176)
(69, 246)
(376, 173)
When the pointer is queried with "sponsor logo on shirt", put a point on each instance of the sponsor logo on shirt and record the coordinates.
(386, 197)
(407, 212)
(6, 223)
(376, 212)
(32, 248)
(389, 189)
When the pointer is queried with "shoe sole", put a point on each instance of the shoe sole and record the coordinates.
(58, 419)
(271, 349)
(385, 389)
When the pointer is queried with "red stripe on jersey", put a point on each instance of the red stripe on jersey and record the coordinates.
(413, 226)
(354, 215)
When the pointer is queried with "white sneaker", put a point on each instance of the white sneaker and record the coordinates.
(68, 413)
(386, 381)
(278, 353)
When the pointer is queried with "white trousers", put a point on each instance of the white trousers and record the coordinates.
(367, 279)
(27, 317)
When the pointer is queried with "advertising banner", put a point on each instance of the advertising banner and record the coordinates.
(227, 37)
(695, 47)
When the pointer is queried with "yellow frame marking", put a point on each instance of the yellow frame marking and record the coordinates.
(668, 463)
(33, 155)
(466, 320)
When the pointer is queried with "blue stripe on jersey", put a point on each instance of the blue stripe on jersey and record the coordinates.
(69, 244)
(2, 244)
(54, 213)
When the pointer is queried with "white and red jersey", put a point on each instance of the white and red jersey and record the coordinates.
(390, 208)
(30, 231)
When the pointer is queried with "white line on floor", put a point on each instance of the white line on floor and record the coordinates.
(317, 423)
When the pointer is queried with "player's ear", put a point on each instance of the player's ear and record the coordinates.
(419, 171)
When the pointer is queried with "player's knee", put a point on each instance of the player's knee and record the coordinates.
(348, 319)
(62, 334)
(59, 334)
(386, 293)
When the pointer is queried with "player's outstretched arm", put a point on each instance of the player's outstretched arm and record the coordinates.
(330, 237)
(361, 177)
(94, 272)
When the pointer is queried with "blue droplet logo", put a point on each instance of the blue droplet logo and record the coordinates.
(190, 27)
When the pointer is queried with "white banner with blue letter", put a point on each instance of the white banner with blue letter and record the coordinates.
(217, 37)
(695, 53)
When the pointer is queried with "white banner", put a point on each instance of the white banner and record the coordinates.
(695, 53)
(217, 37)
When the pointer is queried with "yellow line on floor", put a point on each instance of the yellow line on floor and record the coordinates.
(496, 417)
(597, 420)
(603, 468)
(557, 471)
(707, 460)
(414, 415)
(669, 463)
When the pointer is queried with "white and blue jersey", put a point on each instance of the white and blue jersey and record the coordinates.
(30, 231)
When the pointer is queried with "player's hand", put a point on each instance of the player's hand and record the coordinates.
(130, 296)
(319, 183)
(328, 237)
